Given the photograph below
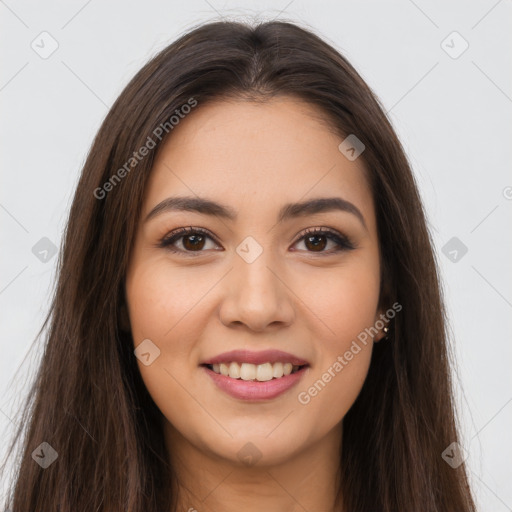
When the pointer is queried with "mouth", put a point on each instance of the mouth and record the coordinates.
(243, 380)
(255, 372)
(255, 376)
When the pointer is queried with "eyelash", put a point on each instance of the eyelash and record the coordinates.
(344, 243)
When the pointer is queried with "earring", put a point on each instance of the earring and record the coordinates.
(386, 332)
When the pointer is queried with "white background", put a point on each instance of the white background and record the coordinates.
(452, 114)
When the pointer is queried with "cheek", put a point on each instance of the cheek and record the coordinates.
(330, 391)
(165, 306)
(162, 299)
(346, 303)
(344, 299)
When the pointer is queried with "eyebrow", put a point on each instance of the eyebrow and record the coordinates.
(288, 211)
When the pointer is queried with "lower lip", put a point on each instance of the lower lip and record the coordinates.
(253, 390)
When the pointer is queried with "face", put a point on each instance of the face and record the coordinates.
(285, 287)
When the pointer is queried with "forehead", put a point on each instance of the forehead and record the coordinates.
(257, 156)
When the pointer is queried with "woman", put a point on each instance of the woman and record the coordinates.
(248, 314)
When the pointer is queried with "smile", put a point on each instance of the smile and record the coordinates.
(254, 372)
(254, 390)
(255, 376)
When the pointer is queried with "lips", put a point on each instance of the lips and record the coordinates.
(255, 376)
(254, 390)
(256, 358)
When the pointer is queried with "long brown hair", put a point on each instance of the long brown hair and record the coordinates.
(88, 401)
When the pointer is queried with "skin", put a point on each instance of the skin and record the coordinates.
(254, 157)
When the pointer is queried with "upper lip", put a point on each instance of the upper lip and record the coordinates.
(263, 356)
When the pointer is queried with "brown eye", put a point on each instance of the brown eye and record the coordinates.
(315, 242)
(194, 241)
(191, 240)
(318, 239)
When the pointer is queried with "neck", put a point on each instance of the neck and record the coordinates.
(304, 481)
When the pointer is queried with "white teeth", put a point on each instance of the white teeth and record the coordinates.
(264, 372)
(247, 371)
(277, 370)
(260, 372)
(234, 370)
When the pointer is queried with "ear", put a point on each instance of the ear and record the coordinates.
(380, 321)
(387, 292)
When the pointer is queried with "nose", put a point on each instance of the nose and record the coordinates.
(256, 295)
